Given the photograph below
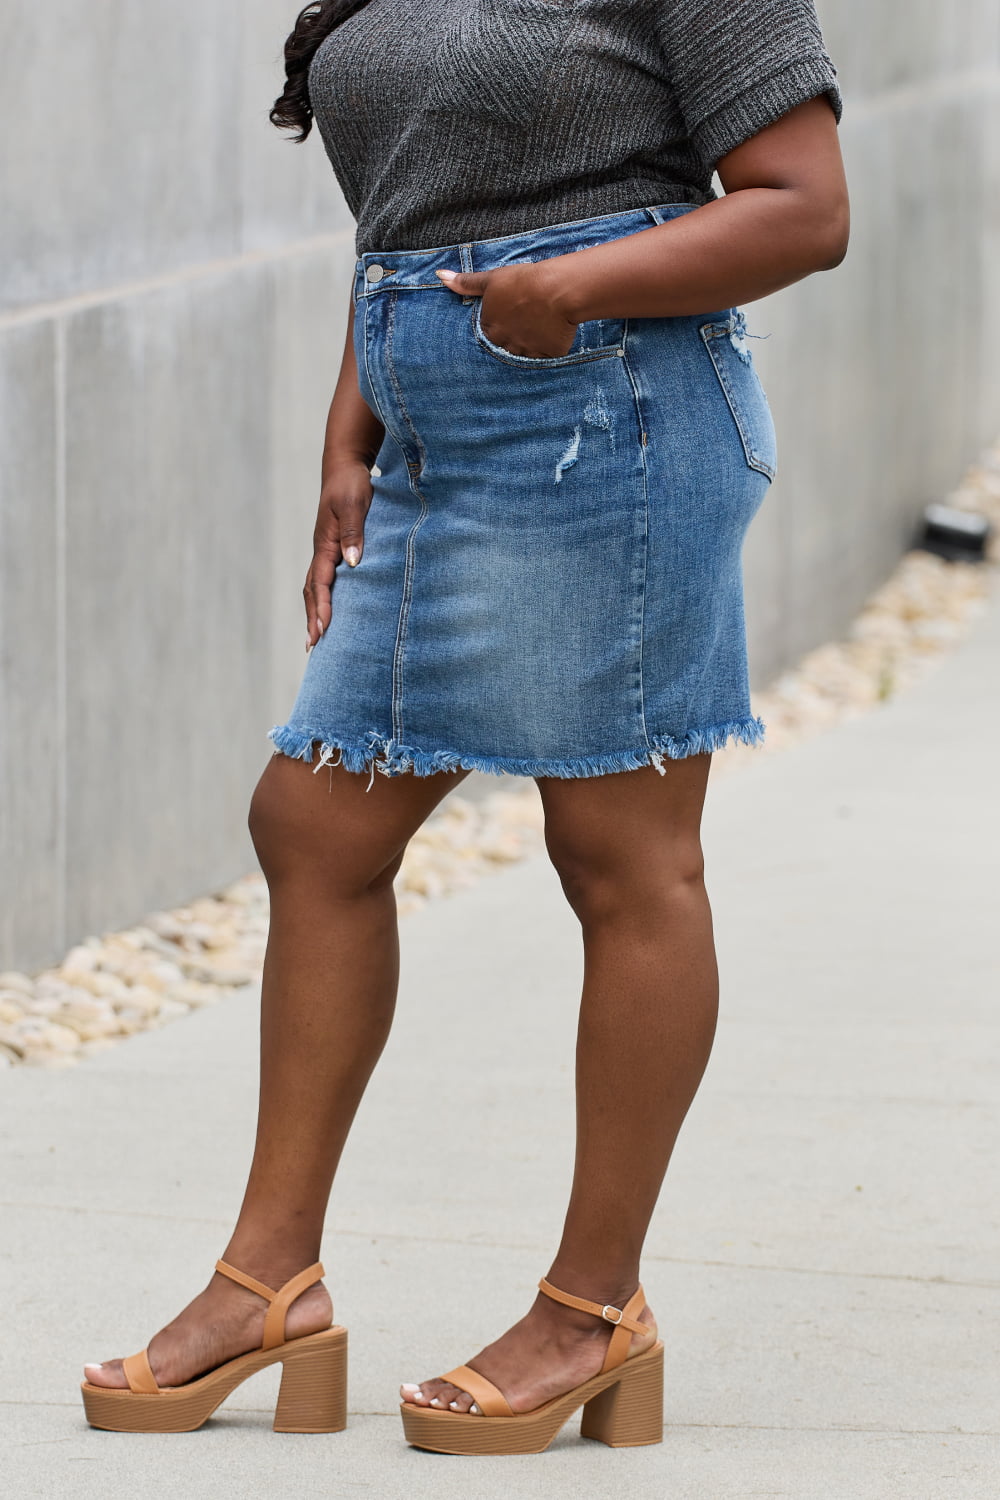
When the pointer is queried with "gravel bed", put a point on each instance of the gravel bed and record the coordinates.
(109, 987)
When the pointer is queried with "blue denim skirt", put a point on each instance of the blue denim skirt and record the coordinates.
(551, 582)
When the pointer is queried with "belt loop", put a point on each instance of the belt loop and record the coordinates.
(465, 258)
(655, 215)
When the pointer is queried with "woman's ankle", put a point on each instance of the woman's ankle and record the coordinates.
(609, 1286)
(270, 1261)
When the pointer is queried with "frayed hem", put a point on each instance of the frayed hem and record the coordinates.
(378, 753)
(705, 741)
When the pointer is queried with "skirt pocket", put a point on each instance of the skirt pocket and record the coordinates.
(599, 338)
(726, 345)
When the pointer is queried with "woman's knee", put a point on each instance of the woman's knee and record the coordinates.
(269, 819)
(612, 878)
(296, 839)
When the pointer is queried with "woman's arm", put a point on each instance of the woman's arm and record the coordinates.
(353, 438)
(785, 215)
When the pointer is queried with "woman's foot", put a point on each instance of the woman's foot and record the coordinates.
(546, 1354)
(223, 1321)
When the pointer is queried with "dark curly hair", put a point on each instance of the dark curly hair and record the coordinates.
(293, 111)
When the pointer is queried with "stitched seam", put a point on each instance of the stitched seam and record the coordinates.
(645, 536)
(390, 331)
(404, 617)
(368, 373)
(410, 558)
(411, 286)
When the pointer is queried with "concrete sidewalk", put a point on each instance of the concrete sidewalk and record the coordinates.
(824, 1259)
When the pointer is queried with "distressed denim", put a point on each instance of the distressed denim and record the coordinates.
(551, 583)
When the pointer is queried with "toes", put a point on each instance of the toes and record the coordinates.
(418, 1395)
(443, 1394)
(110, 1375)
(439, 1395)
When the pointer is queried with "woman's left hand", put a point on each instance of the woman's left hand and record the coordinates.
(517, 312)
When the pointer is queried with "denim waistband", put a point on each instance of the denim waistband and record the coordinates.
(381, 271)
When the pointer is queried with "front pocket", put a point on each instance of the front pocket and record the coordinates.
(598, 338)
(726, 345)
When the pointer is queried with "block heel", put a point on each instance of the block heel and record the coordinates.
(628, 1414)
(313, 1392)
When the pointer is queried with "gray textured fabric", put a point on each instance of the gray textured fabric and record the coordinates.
(454, 120)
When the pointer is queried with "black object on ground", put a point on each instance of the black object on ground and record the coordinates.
(958, 535)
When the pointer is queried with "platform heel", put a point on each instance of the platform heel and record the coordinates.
(313, 1392)
(628, 1414)
(622, 1404)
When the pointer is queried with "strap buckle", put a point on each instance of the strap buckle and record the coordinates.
(612, 1314)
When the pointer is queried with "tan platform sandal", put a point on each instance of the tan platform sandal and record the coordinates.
(312, 1396)
(622, 1405)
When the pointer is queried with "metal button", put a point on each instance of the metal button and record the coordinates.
(375, 273)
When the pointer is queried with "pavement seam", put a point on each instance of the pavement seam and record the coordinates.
(675, 1426)
(420, 1239)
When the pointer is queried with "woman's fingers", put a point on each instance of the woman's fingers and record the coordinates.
(318, 591)
(351, 514)
(466, 283)
(339, 534)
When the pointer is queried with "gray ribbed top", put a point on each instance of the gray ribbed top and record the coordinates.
(454, 120)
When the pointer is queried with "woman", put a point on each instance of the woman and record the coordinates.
(544, 449)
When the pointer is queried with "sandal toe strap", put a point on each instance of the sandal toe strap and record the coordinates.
(491, 1402)
(139, 1375)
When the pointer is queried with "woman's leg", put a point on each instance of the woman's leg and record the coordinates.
(628, 852)
(329, 849)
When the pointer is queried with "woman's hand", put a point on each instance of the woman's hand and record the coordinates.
(517, 311)
(339, 535)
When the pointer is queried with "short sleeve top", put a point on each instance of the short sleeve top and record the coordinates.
(448, 121)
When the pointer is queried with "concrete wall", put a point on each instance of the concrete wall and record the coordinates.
(883, 374)
(174, 283)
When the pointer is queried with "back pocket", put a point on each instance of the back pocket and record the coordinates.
(726, 345)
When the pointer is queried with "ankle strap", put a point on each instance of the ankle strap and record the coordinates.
(624, 1319)
(280, 1301)
(620, 1317)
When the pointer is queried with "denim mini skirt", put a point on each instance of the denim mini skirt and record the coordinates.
(551, 582)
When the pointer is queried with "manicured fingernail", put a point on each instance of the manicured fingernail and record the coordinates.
(320, 626)
(448, 275)
(353, 556)
(308, 644)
